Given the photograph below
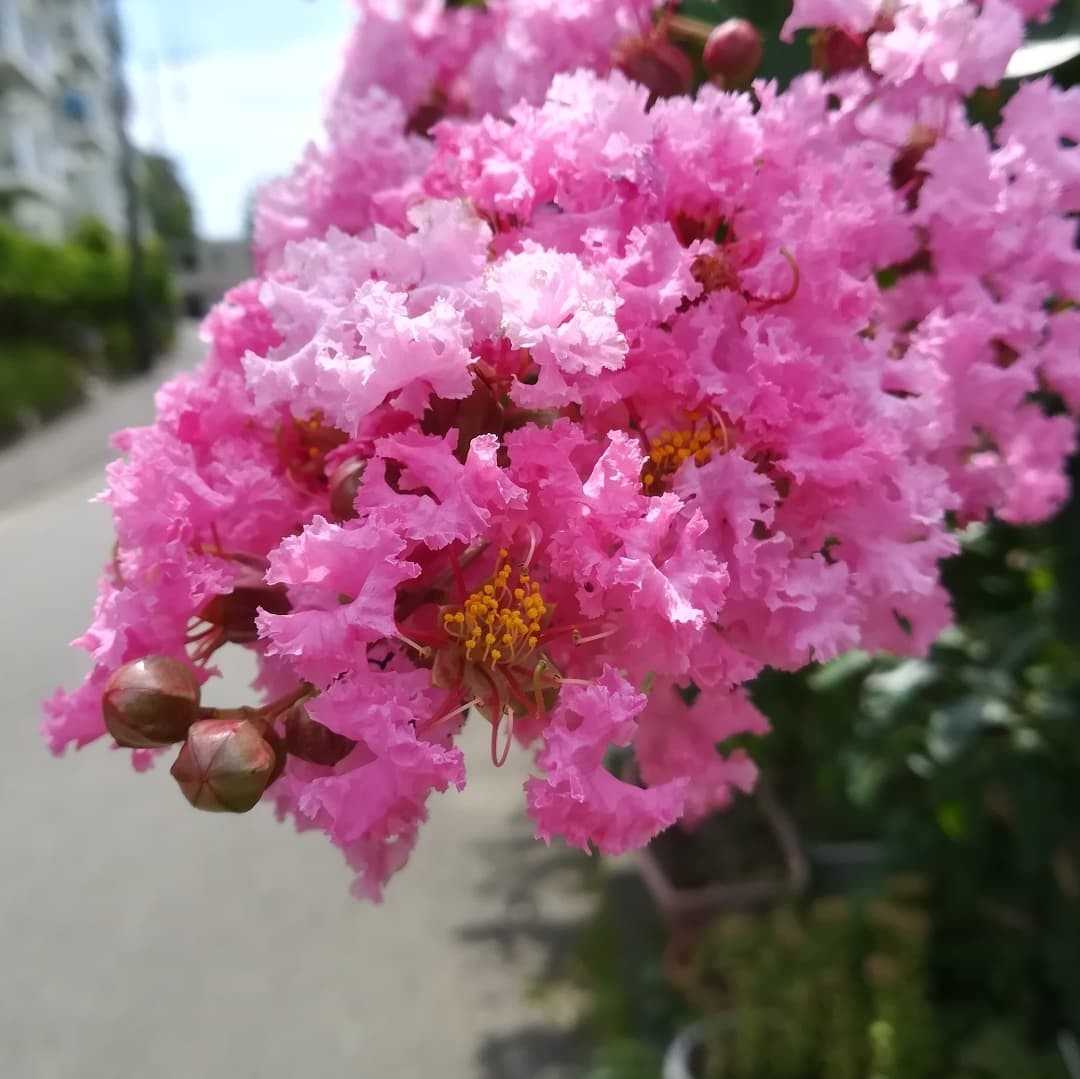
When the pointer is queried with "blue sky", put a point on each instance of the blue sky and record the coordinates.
(232, 90)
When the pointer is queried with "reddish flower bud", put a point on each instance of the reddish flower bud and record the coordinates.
(151, 702)
(833, 50)
(905, 173)
(733, 52)
(661, 67)
(235, 611)
(344, 483)
(311, 741)
(225, 765)
(281, 754)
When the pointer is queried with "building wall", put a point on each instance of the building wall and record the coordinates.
(222, 264)
(59, 154)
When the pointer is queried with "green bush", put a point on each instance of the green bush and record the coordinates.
(65, 310)
(37, 381)
(54, 291)
(964, 766)
(842, 990)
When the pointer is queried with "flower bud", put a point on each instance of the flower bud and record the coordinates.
(905, 172)
(234, 612)
(733, 52)
(661, 67)
(344, 483)
(151, 702)
(225, 765)
(311, 741)
(833, 50)
(281, 754)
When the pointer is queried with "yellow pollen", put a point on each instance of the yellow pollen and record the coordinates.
(499, 622)
(672, 449)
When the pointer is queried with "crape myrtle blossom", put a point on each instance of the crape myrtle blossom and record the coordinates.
(981, 318)
(952, 45)
(629, 400)
(410, 63)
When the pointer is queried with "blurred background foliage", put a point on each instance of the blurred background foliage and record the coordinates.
(938, 804)
(65, 310)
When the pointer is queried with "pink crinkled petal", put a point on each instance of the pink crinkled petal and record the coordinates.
(578, 798)
(675, 740)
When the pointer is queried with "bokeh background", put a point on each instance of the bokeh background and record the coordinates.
(900, 900)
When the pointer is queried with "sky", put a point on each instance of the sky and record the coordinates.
(231, 90)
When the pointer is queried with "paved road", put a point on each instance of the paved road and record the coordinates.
(141, 939)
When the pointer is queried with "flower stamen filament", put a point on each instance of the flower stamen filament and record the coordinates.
(499, 623)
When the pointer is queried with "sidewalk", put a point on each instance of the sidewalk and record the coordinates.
(143, 939)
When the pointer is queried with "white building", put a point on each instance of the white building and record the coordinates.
(221, 264)
(59, 153)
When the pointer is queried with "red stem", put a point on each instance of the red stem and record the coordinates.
(459, 577)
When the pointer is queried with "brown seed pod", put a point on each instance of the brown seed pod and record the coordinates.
(312, 741)
(234, 612)
(225, 765)
(663, 68)
(733, 52)
(151, 702)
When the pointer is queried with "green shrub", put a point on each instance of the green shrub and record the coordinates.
(58, 292)
(65, 309)
(36, 381)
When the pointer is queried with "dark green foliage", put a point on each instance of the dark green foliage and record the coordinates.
(64, 311)
(35, 381)
(781, 61)
(633, 1008)
(836, 992)
(169, 206)
(964, 766)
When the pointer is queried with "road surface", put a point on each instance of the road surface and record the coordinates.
(139, 938)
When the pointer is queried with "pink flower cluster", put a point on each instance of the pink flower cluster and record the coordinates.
(411, 63)
(544, 419)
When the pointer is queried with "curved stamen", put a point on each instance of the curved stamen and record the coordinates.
(422, 649)
(787, 297)
(718, 421)
(446, 716)
(499, 759)
(532, 530)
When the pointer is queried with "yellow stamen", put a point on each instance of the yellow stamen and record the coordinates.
(672, 449)
(499, 623)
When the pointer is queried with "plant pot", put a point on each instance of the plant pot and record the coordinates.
(685, 1056)
(686, 905)
(845, 866)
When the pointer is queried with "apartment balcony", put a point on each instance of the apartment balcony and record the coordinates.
(82, 41)
(26, 58)
(17, 178)
(29, 162)
(84, 124)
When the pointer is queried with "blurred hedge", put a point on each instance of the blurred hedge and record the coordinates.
(64, 312)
